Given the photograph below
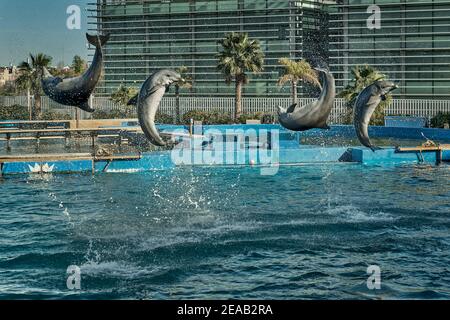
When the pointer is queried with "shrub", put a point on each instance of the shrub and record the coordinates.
(164, 118)
(14, 112)
(439, 120)
(52, 115)
(216, 117)
(207, 117)
(17, 112)
(124, 113)
(244, 117)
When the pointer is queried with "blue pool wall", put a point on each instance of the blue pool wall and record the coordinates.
(290, 152)
(345, 131)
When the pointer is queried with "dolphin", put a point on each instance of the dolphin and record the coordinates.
(315, 114)
(76, 91)
(133, 101)
(150, 95)
(365, 105)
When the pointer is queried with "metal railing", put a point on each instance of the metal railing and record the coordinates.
(407, 107)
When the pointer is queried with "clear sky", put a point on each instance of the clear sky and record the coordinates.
(40, 26)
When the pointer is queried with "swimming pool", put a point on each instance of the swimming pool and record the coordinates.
(219, 233)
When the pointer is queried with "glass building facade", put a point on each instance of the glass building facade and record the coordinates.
(153, 34)
(411, 46)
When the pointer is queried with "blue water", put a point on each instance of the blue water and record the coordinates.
(306, 233)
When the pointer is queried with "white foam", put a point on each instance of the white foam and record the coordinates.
(353, 213)
(113, 269)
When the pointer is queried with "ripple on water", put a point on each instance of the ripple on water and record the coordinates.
(308, 232)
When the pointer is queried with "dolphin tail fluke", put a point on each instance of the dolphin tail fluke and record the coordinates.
(133, 101)
(97, 40)
(86, 107)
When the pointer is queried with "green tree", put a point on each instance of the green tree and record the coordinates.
(185, 83)
(30, 79)
(296, 71)
(78, 65)
(364, 76)
(239, 56)
(8, 89)
(123, 94)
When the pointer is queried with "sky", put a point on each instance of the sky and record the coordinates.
(40, 26)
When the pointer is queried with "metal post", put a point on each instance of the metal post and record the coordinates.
(66, 140)
(8, 142)
(77, 117)
(38, 141)
(191, 126)
(94, 136)
(439, 157)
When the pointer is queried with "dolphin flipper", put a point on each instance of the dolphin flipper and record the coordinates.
(291, 108)
(133, 101)
(86, 107)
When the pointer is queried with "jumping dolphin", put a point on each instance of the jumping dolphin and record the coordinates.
(76, 91)
(150, 96)
(315, 114)
(366, 103)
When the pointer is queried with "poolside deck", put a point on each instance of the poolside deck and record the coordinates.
(419, 151)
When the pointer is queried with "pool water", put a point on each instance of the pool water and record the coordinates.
(309, 232)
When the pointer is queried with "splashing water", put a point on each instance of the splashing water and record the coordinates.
(308, 232)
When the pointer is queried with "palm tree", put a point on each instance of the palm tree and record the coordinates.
(296, 71)
(30, 79)
(363, 76)
(239, 56)
(185, 83)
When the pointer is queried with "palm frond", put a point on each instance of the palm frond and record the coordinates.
(363, 76)
(239, 55)
(295, 71)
